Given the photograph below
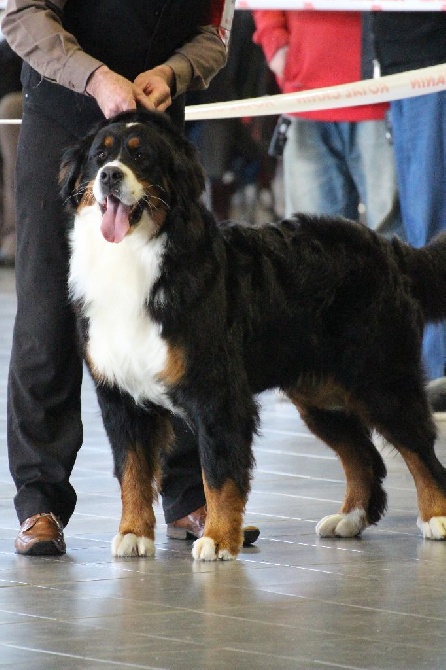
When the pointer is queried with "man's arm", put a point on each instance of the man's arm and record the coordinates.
(34, 30)
(197, 61)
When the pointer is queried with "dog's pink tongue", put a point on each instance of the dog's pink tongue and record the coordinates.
(115, 221)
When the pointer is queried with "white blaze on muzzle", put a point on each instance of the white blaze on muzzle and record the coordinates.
(117, 202)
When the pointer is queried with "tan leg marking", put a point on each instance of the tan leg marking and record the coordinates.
(359, 477)
(225, 509)
(137, 495)
(358, 480)
(352, 516)
(431, 500)
(138, 491)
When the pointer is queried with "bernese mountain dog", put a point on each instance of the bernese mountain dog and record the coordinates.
(179, 315)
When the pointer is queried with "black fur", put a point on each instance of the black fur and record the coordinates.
(320, 307)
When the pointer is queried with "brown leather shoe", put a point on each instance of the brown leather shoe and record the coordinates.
(41, 535)
(191, 527)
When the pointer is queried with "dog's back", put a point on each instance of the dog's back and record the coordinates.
(323, 295)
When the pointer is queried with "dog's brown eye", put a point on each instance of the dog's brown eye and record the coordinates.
(101, 155)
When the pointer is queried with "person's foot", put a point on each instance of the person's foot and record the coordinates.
(40, 535)
(436, 395)
(191, 527)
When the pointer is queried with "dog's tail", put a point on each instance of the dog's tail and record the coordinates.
(426, 269)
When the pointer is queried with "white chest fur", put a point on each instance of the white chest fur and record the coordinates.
(113, 282)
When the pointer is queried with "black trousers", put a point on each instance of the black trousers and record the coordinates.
(45, 375)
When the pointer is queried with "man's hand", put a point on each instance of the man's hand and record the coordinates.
(157, 85)
(114, 93)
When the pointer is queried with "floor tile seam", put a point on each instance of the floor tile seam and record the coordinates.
(281, 452)
(146, 635)
(109, 662)
(264, 492)
(299, 476)
(244, 619)
(292, 433)
(313, 545)
(361, 607)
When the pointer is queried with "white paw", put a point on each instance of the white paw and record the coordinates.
(434, 529)
(342, 525)
(132, 545)
(204, 549)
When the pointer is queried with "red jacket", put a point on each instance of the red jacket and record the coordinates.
(324, 50)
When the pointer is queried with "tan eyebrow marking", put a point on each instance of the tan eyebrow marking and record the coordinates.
(109, 141)
(134, 142)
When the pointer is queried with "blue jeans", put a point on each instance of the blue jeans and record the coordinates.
(419, 129)
(331, 167)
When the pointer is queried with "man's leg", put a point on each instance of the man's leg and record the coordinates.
(10, 108)
(182, 484)
(44, 422)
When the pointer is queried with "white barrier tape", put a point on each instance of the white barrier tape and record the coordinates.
(369, 91)
(393, 87)
(346, 5)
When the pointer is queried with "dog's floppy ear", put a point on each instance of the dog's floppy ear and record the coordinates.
(187, 176)
(72, 163)
(189, 163)
(73, 159)
(186, 171)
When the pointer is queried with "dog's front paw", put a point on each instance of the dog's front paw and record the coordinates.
(342, 525)
(205, 549)
(434, 529)
(132, 545)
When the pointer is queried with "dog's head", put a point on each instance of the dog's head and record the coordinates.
(132, 166)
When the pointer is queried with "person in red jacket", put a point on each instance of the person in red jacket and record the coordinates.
(333, 159)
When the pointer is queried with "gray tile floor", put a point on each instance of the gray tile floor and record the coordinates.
(292, 602)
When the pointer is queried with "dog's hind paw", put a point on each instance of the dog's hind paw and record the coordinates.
(434, 529)
(132, 545)
(342, 525)
(205, 549)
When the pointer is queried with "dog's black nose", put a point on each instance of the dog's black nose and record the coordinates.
(111, 176)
